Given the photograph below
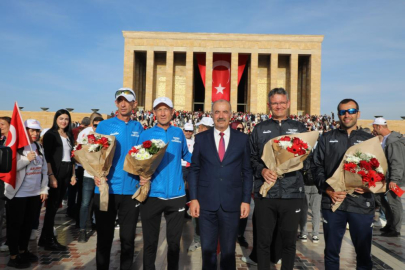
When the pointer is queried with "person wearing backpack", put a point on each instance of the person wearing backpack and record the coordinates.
(31, 187)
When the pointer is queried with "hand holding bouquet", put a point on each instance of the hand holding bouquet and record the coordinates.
(96, 152)
(286, 154)
(143, 160)
(363, 166)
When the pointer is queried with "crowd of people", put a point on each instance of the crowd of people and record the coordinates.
(211, 165)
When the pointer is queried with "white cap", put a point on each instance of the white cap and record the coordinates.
(380, 121)
(43, 132)
(164, 100)
(32, 123)
(127, 96)
(188, 126)
(206, 121)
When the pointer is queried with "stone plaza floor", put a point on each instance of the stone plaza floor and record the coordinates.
(387, 253)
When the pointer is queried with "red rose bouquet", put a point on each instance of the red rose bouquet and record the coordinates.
(96, 152)
(363, 165)
(143, 160)
(286, 154)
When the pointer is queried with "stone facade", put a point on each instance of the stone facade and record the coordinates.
(164, 64)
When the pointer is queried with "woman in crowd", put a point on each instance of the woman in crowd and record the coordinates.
(31, 187)
(4, 128)
(58, 145)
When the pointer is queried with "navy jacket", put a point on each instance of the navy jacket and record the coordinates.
(223, 184)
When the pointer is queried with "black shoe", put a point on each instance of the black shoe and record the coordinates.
(82, 236)
(18, 263)
(53, 245)
(29, 257)
(242, 242)
(42, 241)
(391, 234)
(385, 229)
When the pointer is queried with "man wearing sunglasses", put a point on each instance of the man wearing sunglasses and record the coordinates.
(122, 185)
(357, 210)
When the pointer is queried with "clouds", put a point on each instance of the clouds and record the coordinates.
(70, 53)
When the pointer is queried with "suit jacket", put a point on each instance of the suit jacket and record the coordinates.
(214, 183)
(53, 148)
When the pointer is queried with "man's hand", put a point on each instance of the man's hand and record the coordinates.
(195, 208)
(269, 176)
(43, 197)
(97, 181)
(338, 196)
(53, 182)
(360, 190)
(73, 180)
(143, 180)
(244, 210)
(392, 185)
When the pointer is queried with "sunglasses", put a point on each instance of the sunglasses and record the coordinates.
(188, 131)
(240, 129)
(125, 92)
(95, 125)
(350, 111)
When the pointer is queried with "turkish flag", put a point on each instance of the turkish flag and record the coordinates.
(221, 77)
(17, 138)
(397, 190)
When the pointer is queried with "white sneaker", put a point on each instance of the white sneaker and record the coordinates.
(302, 238)
(34, 235)
(380, 223)
(194, 246)
(315, 239)
(248, 261)
(3, 248)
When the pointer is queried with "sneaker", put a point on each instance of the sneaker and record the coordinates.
(34, 235)
(391, 234)
(248, 261)
(3, 248)
(18, 263)
(194, 246)
(315, 239)
(29, 257)
(303, 238)
(82, 236)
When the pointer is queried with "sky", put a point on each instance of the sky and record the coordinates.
(61, 54)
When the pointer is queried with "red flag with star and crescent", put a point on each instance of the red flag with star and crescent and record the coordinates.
(221, 77)
(17, 137)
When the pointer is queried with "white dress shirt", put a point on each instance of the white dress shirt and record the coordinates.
(217, 137)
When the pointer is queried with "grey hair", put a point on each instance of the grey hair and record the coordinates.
(221, 100)
(278, 91)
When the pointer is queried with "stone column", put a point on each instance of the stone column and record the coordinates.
(315, 84)
(189, 80)
(234, 81)
(294, 83)
(208, 81)
(149, 79)
(254, 62)
(273, 70)
(129, 66)
(169, 74)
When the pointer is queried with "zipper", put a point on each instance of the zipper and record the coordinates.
(168, 168)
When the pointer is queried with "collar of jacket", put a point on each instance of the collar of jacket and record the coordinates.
(157, 127)
(282, 121)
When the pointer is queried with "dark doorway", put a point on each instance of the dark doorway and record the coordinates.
(199, 89)
(140, 77)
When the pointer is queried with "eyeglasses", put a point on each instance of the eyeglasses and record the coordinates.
(125, 92)
(278, 103)
(350, 111)
(95, 125)
(188, 131)
(240, 129)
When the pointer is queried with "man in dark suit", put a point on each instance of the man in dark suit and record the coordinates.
(220, 183)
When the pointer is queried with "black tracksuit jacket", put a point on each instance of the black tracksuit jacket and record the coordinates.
(328, 154)
(291, 186)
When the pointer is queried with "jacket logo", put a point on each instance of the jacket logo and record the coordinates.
(135, 134)
(267, 131)
(358, 141)
(292, 130)
(333, 141)
(182, 209)
(176, 139)
(115, 133)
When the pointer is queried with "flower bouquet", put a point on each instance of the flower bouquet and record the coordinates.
(143, 160)
(364, 166)
(96, 152)
(286, 154)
